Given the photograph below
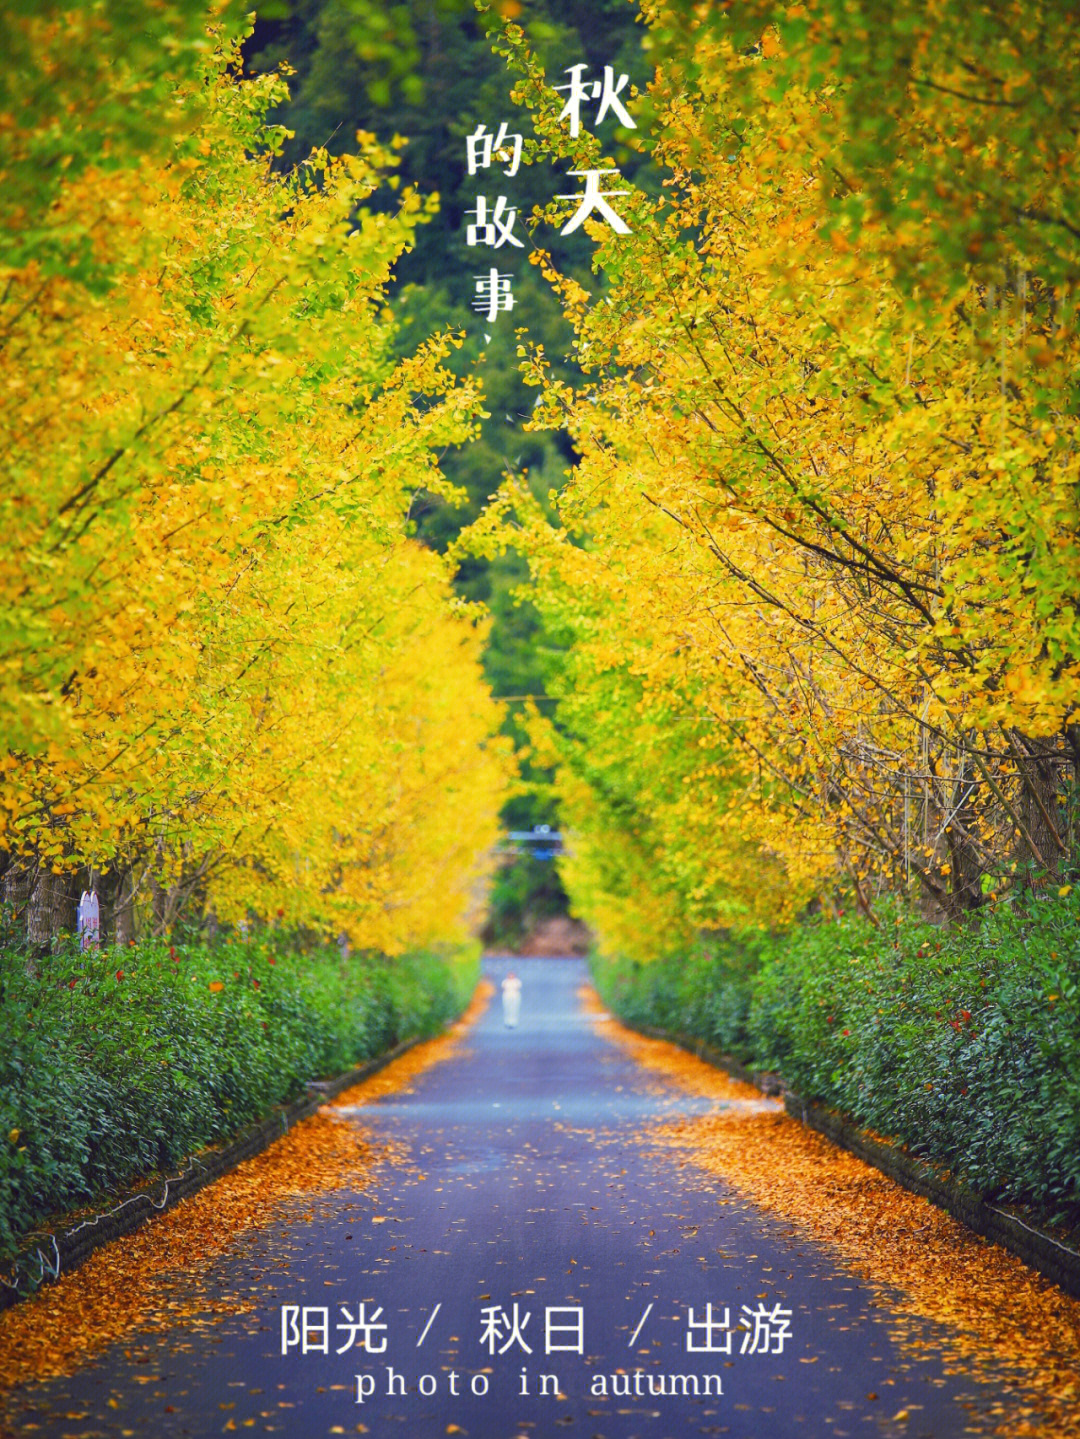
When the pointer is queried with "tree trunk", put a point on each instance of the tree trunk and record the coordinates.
(1042, 801)
(123, 907)
(965, 864)
(39, 909)
(15, 891)
(66, 889)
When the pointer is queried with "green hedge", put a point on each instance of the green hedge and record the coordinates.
(117, 1064)
(963, 1043)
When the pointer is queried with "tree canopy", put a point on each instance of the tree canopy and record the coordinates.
(230, 673)
(815, 568)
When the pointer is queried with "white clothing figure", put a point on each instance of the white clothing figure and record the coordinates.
(88, 923)
(511, 997)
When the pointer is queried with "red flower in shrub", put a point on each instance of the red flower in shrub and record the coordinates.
(828, 1019)
(236, 974)
(272, 960)
(173, 954)
(119, 975)
(72, 983)
(965, 1015)
(847, 1031)
(255, 982)
(281, 914)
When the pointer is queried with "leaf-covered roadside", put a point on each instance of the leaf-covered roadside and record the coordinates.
(120, 1063)
(963, 1044)
(157, 1276)
(988, 1311)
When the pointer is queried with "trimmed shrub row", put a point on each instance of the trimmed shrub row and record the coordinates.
(118, 1064)
(962, 1044)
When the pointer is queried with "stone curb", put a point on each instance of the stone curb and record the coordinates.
(1038, 1250)
(58, 1253)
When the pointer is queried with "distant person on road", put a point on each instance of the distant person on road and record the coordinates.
(511, 995)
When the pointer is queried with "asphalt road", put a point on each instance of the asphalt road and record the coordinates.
(520, 1183)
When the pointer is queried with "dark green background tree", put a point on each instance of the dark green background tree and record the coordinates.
(426, 70)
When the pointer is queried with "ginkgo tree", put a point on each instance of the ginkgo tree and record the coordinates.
(826, 498)
(229, 676)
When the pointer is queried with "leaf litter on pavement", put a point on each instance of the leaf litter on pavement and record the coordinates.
(149, 1280)
(995, 1315)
